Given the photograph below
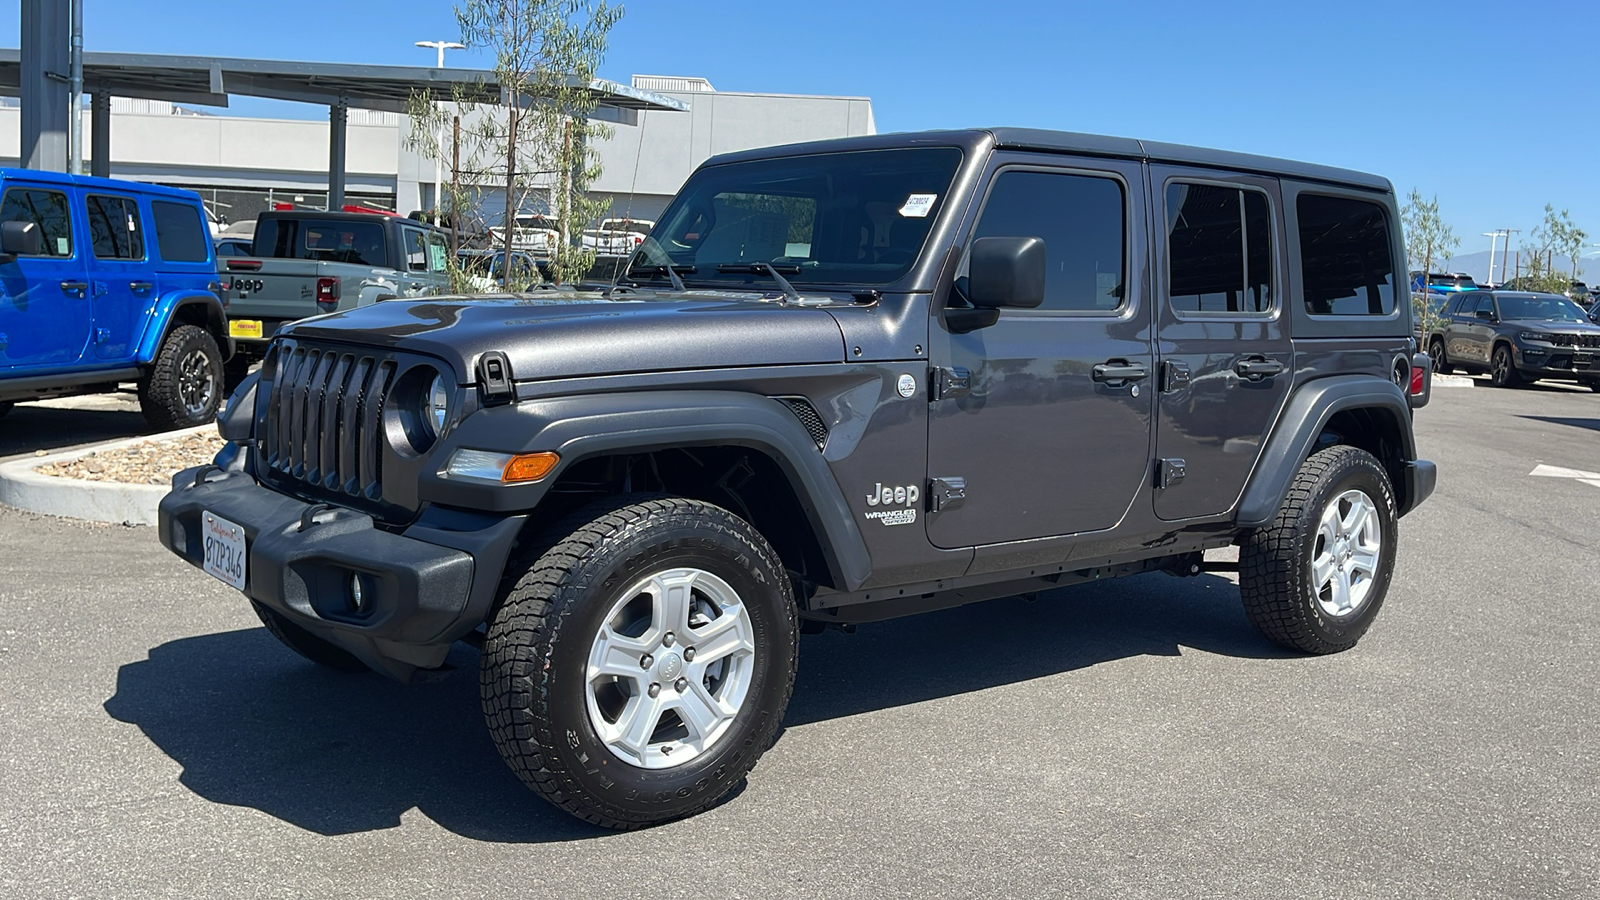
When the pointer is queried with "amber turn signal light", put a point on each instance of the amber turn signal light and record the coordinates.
(529, 467)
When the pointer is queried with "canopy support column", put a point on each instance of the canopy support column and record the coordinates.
(338, 117)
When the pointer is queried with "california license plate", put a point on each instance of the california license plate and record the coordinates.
(225, 550)
(245, 328)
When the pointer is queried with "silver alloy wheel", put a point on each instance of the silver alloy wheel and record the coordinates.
(1500, 366)
(1349, 544)
(196, 383)
(670, 668)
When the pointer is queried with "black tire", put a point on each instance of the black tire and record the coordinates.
(1275, 563)
(1441, 359)
(1503, 368)
(185, 386)
(5, 408)
(305, 643)
(552, 605)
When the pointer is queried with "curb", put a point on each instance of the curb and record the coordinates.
(97, 501)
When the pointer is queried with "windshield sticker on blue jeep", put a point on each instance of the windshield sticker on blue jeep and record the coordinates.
(904, 498)
(917, 206)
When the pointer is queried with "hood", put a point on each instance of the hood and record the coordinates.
(1545, 325)
(581, 334)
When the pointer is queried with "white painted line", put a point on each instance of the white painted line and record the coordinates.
(1558, 472)
(1452, 381)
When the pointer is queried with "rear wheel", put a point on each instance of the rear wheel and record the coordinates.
(640, 664)
(1436, 353)
(1503, 369)
(184, 387)
(1315, 578)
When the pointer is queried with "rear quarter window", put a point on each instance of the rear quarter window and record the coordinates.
(1346, 267)
(181, 234)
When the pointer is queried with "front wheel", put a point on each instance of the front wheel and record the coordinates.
(1436, 353)
(184, 387)
(1315, 578)
(1503, 369)
(639, 665)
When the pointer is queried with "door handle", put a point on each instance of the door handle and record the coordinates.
(74, 287)
(1257, 368)
(140, 287)
(1119, 371)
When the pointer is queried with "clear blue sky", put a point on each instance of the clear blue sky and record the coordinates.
(1489, 105)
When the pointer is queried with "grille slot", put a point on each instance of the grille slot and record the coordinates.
(809, 417)
(324, 420)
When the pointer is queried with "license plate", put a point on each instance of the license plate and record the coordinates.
(225, 550)
(245, 328)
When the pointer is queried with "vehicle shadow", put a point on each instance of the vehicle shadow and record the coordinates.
(31, 427)
(252, 725)
(1591, 424)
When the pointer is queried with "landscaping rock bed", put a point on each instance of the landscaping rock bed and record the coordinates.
(153, 461)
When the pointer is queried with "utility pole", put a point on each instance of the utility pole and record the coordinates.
(75, 120)
(1494, 240)
(1507, 251)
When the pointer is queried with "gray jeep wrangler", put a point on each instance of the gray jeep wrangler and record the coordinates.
(840, 382)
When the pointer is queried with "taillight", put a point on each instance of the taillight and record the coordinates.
(328, 294)
(1418, 373)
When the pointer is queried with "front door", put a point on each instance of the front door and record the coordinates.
(1226, 360)
(1043, 426)
(44, 299)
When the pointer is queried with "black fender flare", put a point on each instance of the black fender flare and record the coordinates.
(167, 312)
(590, 425)
(1303, 419)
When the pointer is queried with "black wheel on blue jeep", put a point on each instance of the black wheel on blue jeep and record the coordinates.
(640, 659)
(185, 386)
(1316, 577)
(5, 408)
(305, 643)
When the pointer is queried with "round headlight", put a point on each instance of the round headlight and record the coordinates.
(436, 405)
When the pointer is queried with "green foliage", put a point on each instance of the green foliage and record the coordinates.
(1428, 241)
(1558, 234)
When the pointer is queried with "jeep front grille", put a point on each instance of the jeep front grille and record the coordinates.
(324, 420)
(1575, 340)
(809, 417)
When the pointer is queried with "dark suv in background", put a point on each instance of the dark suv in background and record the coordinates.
(1517, 337)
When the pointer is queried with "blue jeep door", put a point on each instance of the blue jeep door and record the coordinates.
(119, 279)
(44, 299)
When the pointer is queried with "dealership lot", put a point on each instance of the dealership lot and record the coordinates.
(1132, 737)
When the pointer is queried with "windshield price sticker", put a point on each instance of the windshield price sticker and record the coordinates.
(917, 206)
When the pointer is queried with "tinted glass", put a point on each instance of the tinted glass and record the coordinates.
(114, 231)
(835, 218)
(1081, 220)
(1260, 258)
(48, 210)
(416, 251)
(438, 253)
(1346, 267)
(1219, 249)
(1548, 309)
(359, 243)
(181, 235)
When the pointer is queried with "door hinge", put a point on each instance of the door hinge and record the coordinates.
(945, 494)
(947, 383)
(1170, 471)
(1174, 376)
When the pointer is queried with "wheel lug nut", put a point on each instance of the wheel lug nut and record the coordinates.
(682, 685)
(688, 654)
(646, 661)
(655, 690)
(668, 639)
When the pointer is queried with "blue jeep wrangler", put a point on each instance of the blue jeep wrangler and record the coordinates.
(104, 282)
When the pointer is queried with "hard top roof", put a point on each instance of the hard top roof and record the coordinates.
(89, 181)
(1076, 143)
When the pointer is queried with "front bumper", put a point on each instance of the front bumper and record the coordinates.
(1582, 363)
(422, 589)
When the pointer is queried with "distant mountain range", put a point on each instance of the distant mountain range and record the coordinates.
(1477, 265)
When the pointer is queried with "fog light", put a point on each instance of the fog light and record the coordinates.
(357, 598)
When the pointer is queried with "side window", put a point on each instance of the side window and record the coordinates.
(114, 231)
(181, 235)
(46, 209)
(1485, 304)
(438, 253)
(1345, 261)
(1219, 249)
(416, 251)
(1082, 221)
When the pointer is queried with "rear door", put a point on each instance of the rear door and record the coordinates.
(44, 299)
(120, 280)
(1226, 358)
(1027, 424)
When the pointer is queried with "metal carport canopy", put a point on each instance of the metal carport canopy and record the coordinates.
(208, 81)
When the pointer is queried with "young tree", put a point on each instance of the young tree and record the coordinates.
(535, 145)
(1558, 234)
(1428, 239)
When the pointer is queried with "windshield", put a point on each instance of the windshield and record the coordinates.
(1546, 309)
(857, 218)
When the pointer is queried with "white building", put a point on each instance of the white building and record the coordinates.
(242, 165)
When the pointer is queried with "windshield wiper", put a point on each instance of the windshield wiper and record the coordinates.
(762, 268)
(670, 271)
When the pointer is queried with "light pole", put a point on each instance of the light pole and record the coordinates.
(1494, 240)
(438, 133)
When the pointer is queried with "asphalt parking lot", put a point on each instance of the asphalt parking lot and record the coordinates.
(1130, 738)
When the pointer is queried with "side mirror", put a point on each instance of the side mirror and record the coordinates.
(20, 239)
(1006, 272)
(1485, 315)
